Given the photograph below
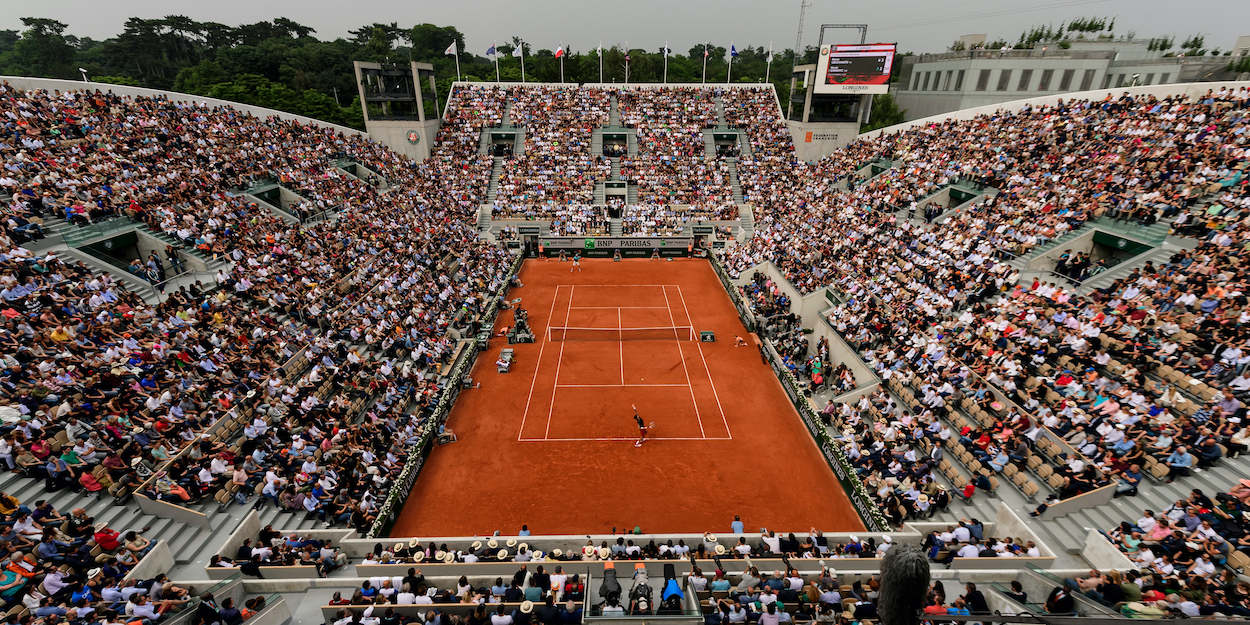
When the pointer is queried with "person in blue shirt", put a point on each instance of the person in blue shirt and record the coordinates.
(1179, 463)
(525, 531)
(736, 527)
(1128, 481)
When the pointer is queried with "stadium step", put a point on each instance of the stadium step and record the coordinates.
(1104, 279)
(483, 218)
(747, 216)
(493, 187)
(506, 116)
(720, 111)
(100, 265)
(614, 117)
(483, 146)
(733, 179)
(615, 228)
(709, 144)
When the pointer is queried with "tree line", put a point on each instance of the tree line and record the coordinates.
(283, 65)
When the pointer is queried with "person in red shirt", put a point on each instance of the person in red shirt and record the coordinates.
(106, 538)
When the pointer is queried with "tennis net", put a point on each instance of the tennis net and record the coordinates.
(679, 333)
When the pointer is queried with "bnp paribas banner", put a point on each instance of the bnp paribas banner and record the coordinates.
(625, 245)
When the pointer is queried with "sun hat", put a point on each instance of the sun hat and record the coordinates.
(527, 606)
(523, 546)
(604, 553)
(477, 544)
(720, 549)
(399, 546)
(511, 542)
(449, 557)
(711, 538)
(412, 544)
(418, 556)
(492, 543)
(503, 553)
(438, 555)
(556, 553)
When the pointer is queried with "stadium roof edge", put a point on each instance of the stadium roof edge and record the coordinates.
(617, 85)
(57, 84)
(1188, 89)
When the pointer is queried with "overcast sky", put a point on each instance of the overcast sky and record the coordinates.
(917, 25)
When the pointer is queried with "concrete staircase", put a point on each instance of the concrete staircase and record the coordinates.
(614, 115)
(615, 228)
(733, 181)
(709, 144)
(1106, 278)
(720, 111)
(273, 210)
(484, 145)
(185, 541)
(598, 197)
(483, 218)
(747, 215)
(495, 171)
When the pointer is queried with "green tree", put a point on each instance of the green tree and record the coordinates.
(885, 112)
(42, 49)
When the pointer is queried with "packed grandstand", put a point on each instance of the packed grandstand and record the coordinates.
(302, 375)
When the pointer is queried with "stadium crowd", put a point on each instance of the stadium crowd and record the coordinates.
(102, 389)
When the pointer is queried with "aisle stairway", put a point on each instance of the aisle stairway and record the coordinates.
(491, 188)
(1158, 255)
(614, 116)
(720, 111)
(614, 227)
(185, 541)
(747, 215)
(733, 181)
(483, 218)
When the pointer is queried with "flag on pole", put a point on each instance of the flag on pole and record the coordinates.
(516, 51)
(491, 51)
(559, 52)
(666, 50)
(626, 57)
(599, 50)
(451, 49)
(732, 50)
(770, 56)
(705, 52)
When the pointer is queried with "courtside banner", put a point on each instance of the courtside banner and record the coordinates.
(627, 246)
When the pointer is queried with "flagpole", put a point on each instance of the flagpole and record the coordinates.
(627, 62)
(522, 63)
(562, 62)
(729, 76)
(666, 62)
(705, 63)
(768, 70)
(496, 55)
(600, 62)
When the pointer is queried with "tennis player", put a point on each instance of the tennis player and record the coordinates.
(577, 261)
(642, 427)
(563, 256)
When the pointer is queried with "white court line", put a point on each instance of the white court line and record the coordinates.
(620, 344)
(560, 359)
(682, 355)
(610, 307)
(617, 385)
(620, 438)
(690, 320)
(541, 347)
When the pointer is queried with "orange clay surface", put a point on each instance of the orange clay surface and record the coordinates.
(551, 443)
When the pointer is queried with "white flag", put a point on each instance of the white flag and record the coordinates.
(451, 49)
(516, 51)
(770, 57)
(666, 51)
(600, 49)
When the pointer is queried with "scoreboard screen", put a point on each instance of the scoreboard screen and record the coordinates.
(855, 68)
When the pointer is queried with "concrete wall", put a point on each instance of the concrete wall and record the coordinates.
(1103, 555)
(394, 135)
(249, 527)
(1083, 243)
(816, 140)
(943, 98)
(159, 560)
(1187, 89)
(52, 84)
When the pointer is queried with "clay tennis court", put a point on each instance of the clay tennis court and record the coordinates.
(551, 443)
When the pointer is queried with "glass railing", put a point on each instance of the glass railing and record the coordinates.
(75, 234)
